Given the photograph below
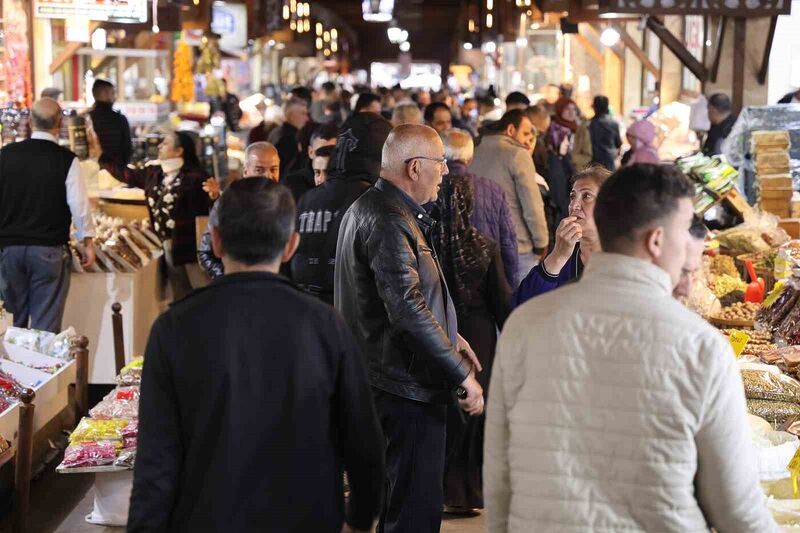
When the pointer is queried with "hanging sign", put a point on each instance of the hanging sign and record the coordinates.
(230, 22)
(132, 11)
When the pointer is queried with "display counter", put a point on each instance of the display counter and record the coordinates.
(88, 310)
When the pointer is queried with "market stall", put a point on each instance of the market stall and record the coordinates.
(104, 444)
(126, 272)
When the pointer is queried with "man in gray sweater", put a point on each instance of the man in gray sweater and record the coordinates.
(505, 158)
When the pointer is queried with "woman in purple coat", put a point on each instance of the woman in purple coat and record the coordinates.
(576, 239)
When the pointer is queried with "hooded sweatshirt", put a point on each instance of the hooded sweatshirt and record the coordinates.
(355, 167)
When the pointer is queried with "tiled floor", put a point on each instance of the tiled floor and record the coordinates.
(60, 503)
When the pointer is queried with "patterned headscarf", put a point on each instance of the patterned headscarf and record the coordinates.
(465, 254)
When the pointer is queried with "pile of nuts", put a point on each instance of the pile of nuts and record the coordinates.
(739, 311)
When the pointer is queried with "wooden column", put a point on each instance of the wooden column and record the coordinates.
(22, 474)
(739, 38)
(80, 352)
(119, 340)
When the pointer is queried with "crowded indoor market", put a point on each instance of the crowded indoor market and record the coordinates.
(503, 266)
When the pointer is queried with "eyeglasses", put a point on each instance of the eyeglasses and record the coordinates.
(441, 160)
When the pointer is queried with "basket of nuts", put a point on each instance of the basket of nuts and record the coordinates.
(740, 314)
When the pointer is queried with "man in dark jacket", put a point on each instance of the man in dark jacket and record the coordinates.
(354, 167)
(248, 425)
(722, 120)
(284, 137)
(301, 179)
(392, 293)
(604, 132)
(111, 127)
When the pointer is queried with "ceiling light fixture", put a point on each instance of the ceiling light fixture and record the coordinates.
(405, 46)
(609, 37)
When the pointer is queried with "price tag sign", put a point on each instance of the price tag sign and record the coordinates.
(738, 340)
(794, 470)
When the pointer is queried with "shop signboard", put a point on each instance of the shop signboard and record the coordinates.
(733, 8)
(131, 11)
(230, 22)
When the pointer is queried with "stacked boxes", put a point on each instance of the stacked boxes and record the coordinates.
(770, 151)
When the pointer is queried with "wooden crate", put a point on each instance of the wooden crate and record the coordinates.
(775, 181)
(777, 194)
(791, 226)
(781, 207)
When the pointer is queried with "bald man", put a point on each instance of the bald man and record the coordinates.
(391, 291)
(42, 192)
(260, 160)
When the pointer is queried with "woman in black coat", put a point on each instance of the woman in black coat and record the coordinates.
(477, 283)
(175, 196)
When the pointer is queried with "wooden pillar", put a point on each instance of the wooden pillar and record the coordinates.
(22, 474)
(119, 340)
(740, 38)
(80, 352)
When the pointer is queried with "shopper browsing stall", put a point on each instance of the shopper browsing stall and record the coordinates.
(41, 193)
(576, 240)
(175, 196)
(247, 425)
(111, 126)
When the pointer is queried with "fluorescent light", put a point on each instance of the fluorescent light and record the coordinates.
(609, 37)
(383, 13)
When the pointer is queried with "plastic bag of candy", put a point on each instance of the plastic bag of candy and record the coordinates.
(94, 430)
(122, 402)
(127, 458)
(59, 345)
(32, 339)
(129, 442)
(85, 454)
(132, 429)
(131, 374)
(9, 387)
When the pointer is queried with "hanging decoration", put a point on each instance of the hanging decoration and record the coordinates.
(17, 53)
(182, 76)
(208, 64)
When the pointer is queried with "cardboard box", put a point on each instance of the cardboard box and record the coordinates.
(780, 207)
(791, 226)
(777, 194)
(775, 181)
(770, 139)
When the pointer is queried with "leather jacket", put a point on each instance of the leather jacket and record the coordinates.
(391, 291)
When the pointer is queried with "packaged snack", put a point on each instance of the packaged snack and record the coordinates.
(129, 442)
(87, 454)
(9, 387)
(776, 413)
(132, 429)
(32, 339)
(122, 402)
(127, 458)
(59, 345)
(94, 430)
(769, 386)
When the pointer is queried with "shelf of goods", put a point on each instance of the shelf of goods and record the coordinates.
(126, 272)
(104, 444)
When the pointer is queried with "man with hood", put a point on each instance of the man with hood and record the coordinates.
(354, 168)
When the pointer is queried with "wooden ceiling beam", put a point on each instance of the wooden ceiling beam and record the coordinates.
(717, 55)
(762, 72)
(677, 47)
(590, 49)
(634, 47)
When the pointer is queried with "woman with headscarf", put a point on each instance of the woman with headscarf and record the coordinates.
(641, 135)
(477, 283)
(175, 196)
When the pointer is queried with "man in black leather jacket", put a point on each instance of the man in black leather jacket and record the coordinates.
(392, 293)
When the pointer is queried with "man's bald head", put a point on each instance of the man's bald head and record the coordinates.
(407, 141)
(46, 115)
(261, 159)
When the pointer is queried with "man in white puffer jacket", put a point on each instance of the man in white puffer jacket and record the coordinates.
(611, 406)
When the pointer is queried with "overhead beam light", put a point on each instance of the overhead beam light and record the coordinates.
(334, 34)
(318, 27)
(377, 10)
(609, 37)
(488, 20)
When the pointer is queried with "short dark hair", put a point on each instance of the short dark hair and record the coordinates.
(634, 198)
(303, 93)
(325, 151)
(431, 109)
(328, 86)
(100, 86)
(256, 219)
(514, 117)
(365, 100)
(721, 102)
(517, 98)
(600, 105)
(698, 229)
(325, 131)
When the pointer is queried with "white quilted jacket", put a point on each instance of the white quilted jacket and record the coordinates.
(614, 408)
